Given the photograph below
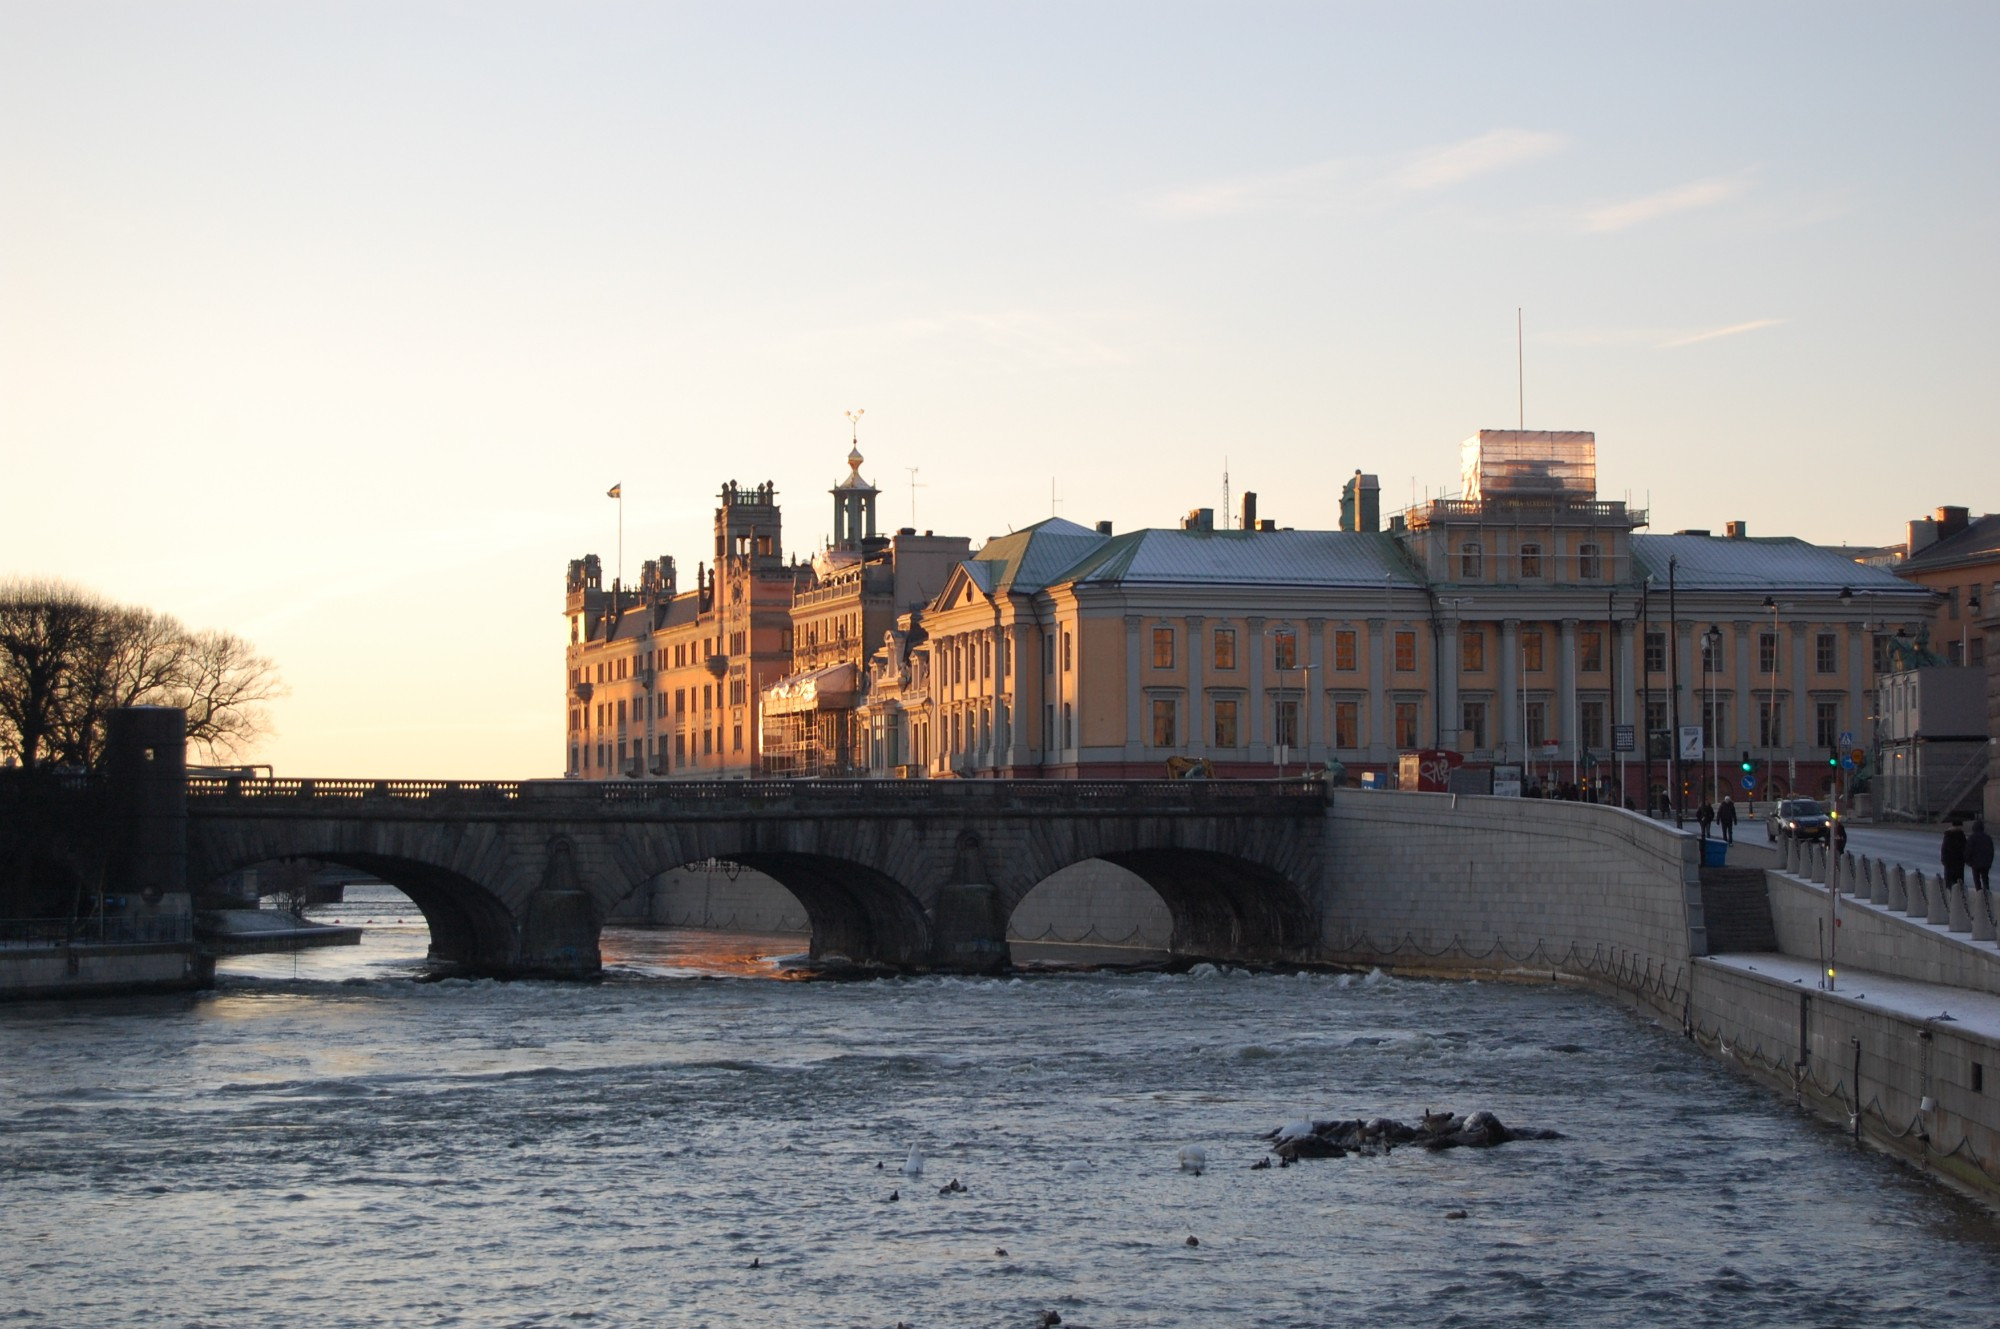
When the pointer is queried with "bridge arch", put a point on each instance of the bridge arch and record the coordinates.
(470, 926)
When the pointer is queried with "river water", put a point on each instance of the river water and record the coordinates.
(322, 1141)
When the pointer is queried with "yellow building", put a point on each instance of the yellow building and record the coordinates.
(1524, 626)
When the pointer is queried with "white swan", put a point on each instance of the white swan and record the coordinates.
(913, 1166)
(1193, 1159)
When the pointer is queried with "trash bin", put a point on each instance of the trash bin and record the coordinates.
(1713, 853)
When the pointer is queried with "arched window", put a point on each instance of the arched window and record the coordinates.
(1471, 561)
(1531, 561)
(1588, 563)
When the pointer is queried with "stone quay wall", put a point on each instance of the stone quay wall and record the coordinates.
(1451, 883)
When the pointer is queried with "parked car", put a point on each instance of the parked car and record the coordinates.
(1797, 819)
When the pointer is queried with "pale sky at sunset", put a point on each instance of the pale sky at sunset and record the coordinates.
(331, 324)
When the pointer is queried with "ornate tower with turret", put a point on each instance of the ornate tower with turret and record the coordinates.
(853, 506)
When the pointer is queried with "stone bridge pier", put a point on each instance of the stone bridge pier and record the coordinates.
(516, 879)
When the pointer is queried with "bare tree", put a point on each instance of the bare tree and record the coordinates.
(68, 659)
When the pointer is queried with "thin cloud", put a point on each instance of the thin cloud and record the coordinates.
(1733, 330)
(1652, 207)
(1495, 150)
(1322, 186)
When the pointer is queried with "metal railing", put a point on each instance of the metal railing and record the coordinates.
(106, 930)
(1176, 795)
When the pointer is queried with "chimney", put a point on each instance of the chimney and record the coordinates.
(1199, 519)
(1249, 510)
(1267, 524)
(1104, 528)
(1923, 534)
(1361, 504)
(1736, 530)
(1950, 521)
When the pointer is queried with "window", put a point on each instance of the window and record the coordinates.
(1049, 726)
(1826, 723)
(1471, 561)
(1343, 650)
(1069, 725)
(1049, 652)
(1163, 722)
(1472, 724)
(1714, 721)
(1826, 655)
(737, 743)
(1537, 717)
(1284, 649)
(1163, 648)
(1472, 651)
(1711, 653)
(1406, 652)
(1066, 650)
(621, 713)
(1590, 651)
(1531, 561)
(1588, 563)
(1406, 725)
(1225, 722)
(1767, 652)
(1531, 650)
(1590, 724)
(1770, 723)
(1285, 732)
(1656, 652)
(1659, 742)
(1225, 648)
(1347, 724)
(1881, 652)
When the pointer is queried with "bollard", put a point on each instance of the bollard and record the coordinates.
(1961, 916)
(1819, 857)
(1982, 915)
(1899, 890)
(1940, 911)
(1854, 876)
(1879, 884)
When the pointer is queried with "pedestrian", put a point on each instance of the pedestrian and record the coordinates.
(1726, 816)
(1979, 854)
(1952, 854)
(1839, 836)
(1706, 816)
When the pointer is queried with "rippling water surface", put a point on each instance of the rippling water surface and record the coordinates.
(324, 1142)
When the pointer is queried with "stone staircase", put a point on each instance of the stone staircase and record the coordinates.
(1736, 906)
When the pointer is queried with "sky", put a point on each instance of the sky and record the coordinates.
(330, 325)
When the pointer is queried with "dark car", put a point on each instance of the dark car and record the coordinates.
(1798, 819)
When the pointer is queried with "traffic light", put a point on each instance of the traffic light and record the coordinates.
(1745, 763)
(1833, 759)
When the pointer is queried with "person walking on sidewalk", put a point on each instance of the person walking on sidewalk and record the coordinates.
(1979, 854)
(1952, 854)
(1705, 814)
(1725, 816)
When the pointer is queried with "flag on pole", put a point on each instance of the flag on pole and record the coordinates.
(616, 491)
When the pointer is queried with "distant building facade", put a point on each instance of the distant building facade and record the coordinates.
(666, 683)
(1524, 624)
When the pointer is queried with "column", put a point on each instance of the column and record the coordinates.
(1567, 725)
(1855, 720)
(1746, 705)
(1801, 726)
(1027, 718)
(1197, 710)
(1253, 643)
(1134, 692)
(1315, 690)
(1512, 740)
(1378, 707)
(1447, 672)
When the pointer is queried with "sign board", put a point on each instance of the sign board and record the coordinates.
(1622, 739)
(1550, 749)
(1507, 781)
(1858, 757)
(1690, 742)
(1846, 739)
(1749, 782)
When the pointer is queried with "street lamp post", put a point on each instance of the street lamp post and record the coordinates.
(1965, 632)
(1611, 660)
(1646, 685)
(1674, 682)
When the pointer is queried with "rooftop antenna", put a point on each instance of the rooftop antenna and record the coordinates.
(854, 425)
(914, 487)
(1520, 372)
(1225, 493)
(1054, 502)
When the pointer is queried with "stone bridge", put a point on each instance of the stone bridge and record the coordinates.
(516, 879)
